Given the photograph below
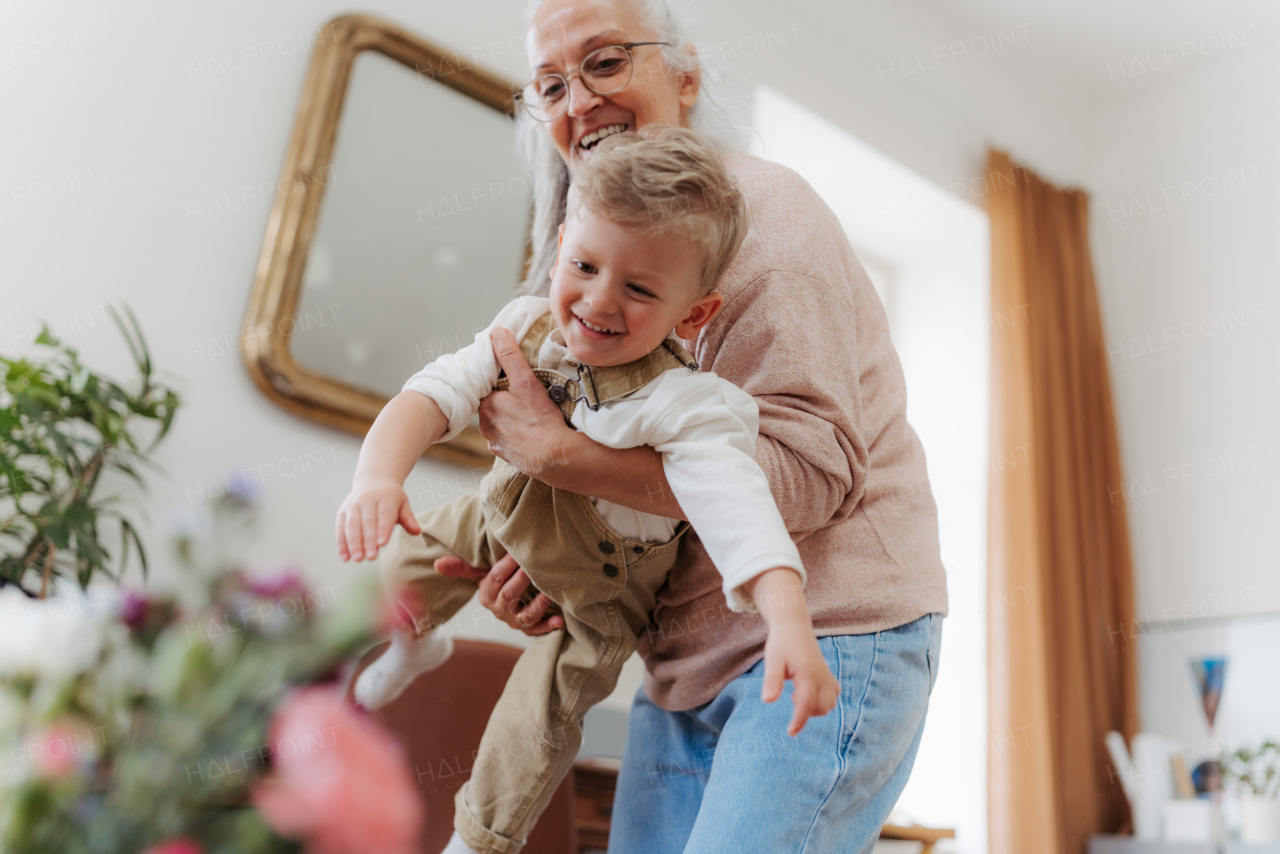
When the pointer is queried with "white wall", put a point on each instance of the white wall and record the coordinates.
(1184, 225)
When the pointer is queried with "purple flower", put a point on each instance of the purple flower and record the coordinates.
(284, 584)
(242, 490)
(133, 610)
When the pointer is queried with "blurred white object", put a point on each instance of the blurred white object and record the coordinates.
(1124, 765)
(1154, 783)
(1259, 818)
(1147, 780)
(1192, 820)
(53, 638)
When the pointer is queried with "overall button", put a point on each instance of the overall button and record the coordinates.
(610, 570)
(606, 547)
(557, 393)
(638, 549)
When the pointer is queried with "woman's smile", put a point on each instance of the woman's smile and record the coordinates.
(588, 140)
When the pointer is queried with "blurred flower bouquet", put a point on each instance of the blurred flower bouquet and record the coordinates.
(141, 725)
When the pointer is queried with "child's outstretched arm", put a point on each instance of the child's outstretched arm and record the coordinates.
(791, 650)
(404, 429)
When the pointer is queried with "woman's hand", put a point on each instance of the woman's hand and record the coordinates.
(367, 515)
(500, 590)
(523, 425)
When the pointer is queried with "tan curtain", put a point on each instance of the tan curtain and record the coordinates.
(1060, 609)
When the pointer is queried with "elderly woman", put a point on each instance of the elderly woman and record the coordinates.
(708, 765)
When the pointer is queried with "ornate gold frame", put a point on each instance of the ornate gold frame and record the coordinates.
(274, 301)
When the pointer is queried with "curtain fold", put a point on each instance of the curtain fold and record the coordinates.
(1061, 660)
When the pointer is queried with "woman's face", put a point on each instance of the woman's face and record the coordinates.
(563, 32)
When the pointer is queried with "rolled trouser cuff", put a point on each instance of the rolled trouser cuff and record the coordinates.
(476, 834)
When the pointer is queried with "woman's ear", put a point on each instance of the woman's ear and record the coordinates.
(690, 81)
(699, 315)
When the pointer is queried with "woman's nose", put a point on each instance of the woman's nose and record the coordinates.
(581, 99)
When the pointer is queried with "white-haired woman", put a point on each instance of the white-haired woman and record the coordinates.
(708, 765)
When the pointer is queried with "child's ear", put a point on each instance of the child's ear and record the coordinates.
(700, 314)
(559, 243)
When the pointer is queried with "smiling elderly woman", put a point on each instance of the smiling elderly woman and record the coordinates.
(708, 765)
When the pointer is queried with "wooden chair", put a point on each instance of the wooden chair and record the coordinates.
(440, 719)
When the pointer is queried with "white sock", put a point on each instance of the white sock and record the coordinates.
(393, 671)
(457, 846)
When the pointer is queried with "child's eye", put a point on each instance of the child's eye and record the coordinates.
(639, 290)
(584, 267)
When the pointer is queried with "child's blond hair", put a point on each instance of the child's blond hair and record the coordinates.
(671, 181)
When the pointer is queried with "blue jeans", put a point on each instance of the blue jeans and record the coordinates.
(725, 776)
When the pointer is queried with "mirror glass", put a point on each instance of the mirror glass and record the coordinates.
(422, 231)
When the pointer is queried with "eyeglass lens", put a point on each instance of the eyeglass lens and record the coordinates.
(604, 72)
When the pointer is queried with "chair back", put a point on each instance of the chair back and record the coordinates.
(440, 719)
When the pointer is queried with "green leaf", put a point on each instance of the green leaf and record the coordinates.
(121, 465)
(138, 348)
(58, 533)
(129, 533)
(46, 337)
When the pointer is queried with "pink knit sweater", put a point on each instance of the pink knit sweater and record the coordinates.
(803, 331)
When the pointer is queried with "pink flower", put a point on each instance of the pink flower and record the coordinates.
(55, 750)
(339, 781)
(175, 846)
(285, 584)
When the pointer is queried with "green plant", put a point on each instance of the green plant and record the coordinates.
(1255, 769)
(61, 426)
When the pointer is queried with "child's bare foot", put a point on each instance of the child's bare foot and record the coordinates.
(394, 670)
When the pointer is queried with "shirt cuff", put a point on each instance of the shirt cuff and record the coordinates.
(736, 597)
(444, 398)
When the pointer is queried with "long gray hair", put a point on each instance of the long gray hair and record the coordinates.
(720, 112)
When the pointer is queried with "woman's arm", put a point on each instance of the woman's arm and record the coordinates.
(632, 477)
(527, 430)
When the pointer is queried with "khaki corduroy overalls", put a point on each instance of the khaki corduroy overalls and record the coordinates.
(602, 582)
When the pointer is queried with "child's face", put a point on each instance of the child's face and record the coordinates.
(633, 287)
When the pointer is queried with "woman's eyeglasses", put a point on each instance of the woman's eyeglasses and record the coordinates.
(604, 71)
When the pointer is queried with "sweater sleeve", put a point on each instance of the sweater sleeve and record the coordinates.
(705, 429)
(458, 381)
(804, 375)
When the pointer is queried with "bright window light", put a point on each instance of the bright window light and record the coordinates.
(927, 254)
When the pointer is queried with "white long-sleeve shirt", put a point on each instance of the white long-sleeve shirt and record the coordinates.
(704, 426)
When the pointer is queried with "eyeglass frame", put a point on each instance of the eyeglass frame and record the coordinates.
(518, 95)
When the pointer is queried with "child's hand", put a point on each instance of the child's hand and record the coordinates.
(368, 514)
(791, 652)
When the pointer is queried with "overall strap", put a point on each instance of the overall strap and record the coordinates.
(530, 344)
(601, 385)
(592, 385)
(531, 341)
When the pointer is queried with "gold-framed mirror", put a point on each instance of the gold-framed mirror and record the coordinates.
(399, 227)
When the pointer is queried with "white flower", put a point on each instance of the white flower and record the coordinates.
(49, 639)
